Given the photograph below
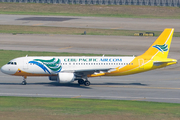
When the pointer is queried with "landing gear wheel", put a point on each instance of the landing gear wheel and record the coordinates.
(24, 83)
(24, 80)
(81, 81)
(86, 83)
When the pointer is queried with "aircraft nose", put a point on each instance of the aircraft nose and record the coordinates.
(7, 70)
(4, 69)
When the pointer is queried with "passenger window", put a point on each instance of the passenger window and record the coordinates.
(9, 63)
(12, 63)
(15, 63)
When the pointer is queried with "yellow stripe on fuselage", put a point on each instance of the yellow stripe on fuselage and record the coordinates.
(19, 72)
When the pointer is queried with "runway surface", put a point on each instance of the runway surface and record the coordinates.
(162, 85)
(119, 45)
(92, 22)
(158, 86)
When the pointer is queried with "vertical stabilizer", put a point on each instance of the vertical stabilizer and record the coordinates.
(160, 48)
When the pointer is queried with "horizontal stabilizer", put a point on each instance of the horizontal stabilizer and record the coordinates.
(168, 60)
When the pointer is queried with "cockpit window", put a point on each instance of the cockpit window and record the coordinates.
(12, 63)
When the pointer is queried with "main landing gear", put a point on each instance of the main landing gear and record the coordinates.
(24, 80)
(86, 82)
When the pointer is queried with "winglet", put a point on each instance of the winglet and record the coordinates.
(160, 48)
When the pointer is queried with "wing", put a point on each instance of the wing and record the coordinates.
(85, 72)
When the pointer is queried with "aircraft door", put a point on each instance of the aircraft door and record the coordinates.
(25, 63)
(141, 63)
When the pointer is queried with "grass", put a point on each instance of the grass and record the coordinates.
(80, 109)
(16, 29)
(6, 55)
(125, 11)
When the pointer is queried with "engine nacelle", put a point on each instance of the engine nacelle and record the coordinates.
(66, 77)
(53, 78)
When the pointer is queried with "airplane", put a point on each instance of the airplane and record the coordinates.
(65, 69)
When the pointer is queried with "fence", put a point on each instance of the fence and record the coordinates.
(175, 3)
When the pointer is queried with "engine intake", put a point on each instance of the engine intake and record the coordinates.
(53, 78)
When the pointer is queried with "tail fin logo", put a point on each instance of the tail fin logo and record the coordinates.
(161, 48)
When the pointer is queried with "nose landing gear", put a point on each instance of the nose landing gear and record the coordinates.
(24, 80)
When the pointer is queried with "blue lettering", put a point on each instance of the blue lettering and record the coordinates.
(111, 59)
(104, 60)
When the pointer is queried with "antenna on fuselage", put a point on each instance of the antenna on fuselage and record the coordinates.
(26, 55)
(103, 55)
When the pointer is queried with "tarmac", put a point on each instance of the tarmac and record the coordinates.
(92, 22)
(156, 86)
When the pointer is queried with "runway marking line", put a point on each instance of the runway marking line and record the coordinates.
(138, 87)
(115, 28)
(65, 48)
(37, 24)
(76, 96)
(139, 99)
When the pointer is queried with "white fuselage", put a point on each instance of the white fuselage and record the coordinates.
(49, 65)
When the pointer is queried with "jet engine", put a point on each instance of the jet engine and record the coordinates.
(65, 77)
